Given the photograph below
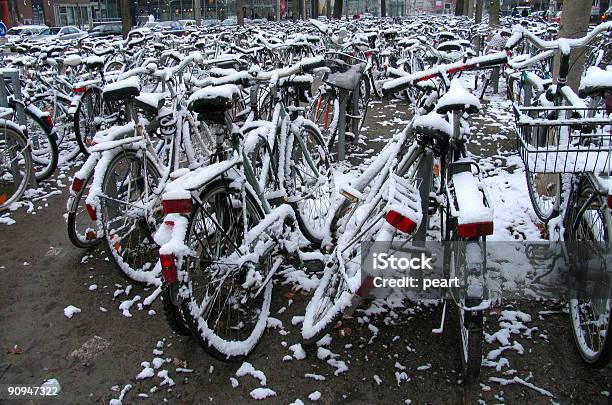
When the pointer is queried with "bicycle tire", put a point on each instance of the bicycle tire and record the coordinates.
(62, 121)
(174, 314)
(220, 347)
(317, 201)
(84, 138)
(6, 196)
(45, 154)
(585, 209)
(138, 265)
(76, 210)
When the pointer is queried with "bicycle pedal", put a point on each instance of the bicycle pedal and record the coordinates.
(433, 206)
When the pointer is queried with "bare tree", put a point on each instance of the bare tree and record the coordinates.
(126, 17)
(338, 9)
(494, 13)
(239, 12)
(574, 24)
(383, 8)
(459, 7)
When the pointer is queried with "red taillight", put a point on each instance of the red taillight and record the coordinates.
(475, 229)
(368, 54)
(509, 53)
(91, 211)
(79, 89)
(610, 201)
(77, 184)
(177, 206)
(49, 121)
(168, 268)
(366, 286)
(400, 222)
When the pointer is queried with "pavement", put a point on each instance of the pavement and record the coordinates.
(95, 354)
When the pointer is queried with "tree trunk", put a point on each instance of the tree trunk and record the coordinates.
(126, 17)
(197, 15)
(239, 12)
(469, 8)
(493, 13)
(459, 7)
(574, 24)
(338, 9)
(383, 8)
(478, 17)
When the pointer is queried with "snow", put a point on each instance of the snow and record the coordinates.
(297, 351)
(262, 393)
(247, 369)
(314, 396)
(71, 310)
(133, 81)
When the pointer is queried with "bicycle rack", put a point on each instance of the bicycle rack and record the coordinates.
(13, 75)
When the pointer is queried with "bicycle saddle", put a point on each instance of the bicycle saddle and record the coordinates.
(72, 60)
(93, 62)
(457, 98)
(347, 80)
(122, 89)
(595, 83)
(212, 101)
(433, 125)
(150, 103)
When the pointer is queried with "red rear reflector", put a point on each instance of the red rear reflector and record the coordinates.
(509, 53)
(610, 201)
(77, 184)
(369, 54)
(475, 229)
(49, 121)
(168, 268)
(177, 206)
(79, 89)
(366, 286)
(91, 211)
(400, 222)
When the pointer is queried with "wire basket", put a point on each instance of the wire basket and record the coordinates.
(564, 139)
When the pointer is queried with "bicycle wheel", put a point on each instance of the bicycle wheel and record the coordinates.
(90, 111)
(310, 191)
(471, 323)
(225, 303)
(57, 108)
(323, 112)
(544, 188)
(15, 165)
(43, 143)
(130, 215)
(174, 314)
(83, 232)
(589, 222)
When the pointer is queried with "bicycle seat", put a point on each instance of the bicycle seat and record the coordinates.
(433, 125)
(457, 98)
(150, 103)
(72, 60)
(595, 83)
(213, 101)
(297, 81)
(94, 62)
(347, 80)
(122, 89)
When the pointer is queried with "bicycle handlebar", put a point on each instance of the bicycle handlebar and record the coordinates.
(564, 44)
(480, 62)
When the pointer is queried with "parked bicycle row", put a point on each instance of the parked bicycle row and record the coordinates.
(210, 161)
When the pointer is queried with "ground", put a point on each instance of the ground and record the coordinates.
(386, 357)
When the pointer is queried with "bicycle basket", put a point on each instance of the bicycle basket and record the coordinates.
(564, 139)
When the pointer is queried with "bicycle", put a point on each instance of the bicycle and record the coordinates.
(225, 221)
